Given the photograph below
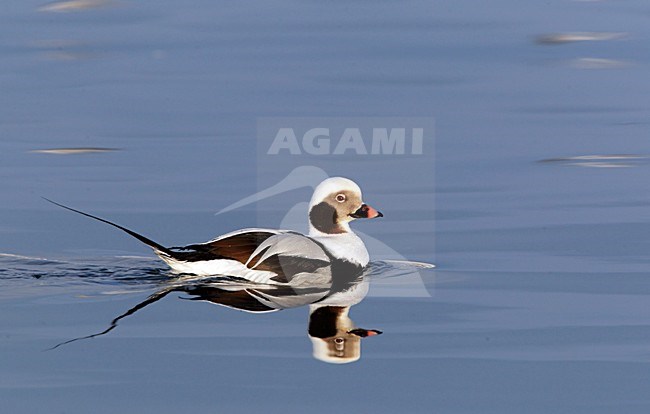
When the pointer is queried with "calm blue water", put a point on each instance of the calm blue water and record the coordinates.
(539, 302)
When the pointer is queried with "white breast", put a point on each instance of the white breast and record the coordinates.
(347, 246)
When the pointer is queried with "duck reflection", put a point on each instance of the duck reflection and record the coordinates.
(335, 337)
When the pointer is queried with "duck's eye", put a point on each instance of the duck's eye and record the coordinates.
(341, 198)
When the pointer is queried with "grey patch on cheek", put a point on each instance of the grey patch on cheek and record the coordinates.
(324, 218)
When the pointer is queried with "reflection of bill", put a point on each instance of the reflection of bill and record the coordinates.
(410, 283)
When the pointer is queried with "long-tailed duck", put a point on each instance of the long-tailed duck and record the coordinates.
(280, 256)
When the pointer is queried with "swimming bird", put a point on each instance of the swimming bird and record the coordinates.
(280, 256)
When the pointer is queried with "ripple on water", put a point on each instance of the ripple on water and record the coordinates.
(602, 161)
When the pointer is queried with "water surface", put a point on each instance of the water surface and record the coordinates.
(540, 299)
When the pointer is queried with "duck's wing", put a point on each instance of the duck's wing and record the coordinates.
(238, 245)
(281, 254)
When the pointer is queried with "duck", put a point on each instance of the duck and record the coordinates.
(271, 256)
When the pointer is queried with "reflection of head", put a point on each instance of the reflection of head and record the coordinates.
(328, 327)
(337, 350)
(334, 336)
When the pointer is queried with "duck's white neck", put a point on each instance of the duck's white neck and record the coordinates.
(347, 245)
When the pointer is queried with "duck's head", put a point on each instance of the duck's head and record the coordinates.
(335, 203)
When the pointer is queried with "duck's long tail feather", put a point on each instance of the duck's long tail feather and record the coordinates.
(157, 247)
